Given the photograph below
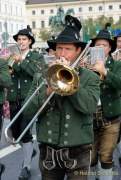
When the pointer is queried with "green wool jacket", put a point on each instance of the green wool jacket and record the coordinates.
(5, 79)
(22, 75)
(66, 120)
(111, 89)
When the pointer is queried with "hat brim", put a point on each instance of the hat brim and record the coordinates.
(52, 44)
(111, 42)
(115, 38)
(15, 37)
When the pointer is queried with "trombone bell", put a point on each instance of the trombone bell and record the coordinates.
(63, 79)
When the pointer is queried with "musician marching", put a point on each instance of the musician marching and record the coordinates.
(107, 117)
(5, 82)
(64, 127)
(117, 53)
(23, 69)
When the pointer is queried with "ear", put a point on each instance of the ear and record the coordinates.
(30, 41)
(110, 48)
(79, 50)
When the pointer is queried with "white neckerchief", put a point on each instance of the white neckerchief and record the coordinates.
(25, 54)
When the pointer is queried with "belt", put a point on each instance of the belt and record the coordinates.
(100, 120)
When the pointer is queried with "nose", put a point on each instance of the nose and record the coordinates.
(62, 53)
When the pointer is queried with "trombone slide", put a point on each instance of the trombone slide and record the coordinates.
(7, 132)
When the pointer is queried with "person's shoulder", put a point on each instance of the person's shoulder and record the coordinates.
(3, 62)
(36, 54)
(89, 73)
(117, 62)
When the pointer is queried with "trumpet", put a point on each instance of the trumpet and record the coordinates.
(7, 53)
(117, 55)
(63, 79)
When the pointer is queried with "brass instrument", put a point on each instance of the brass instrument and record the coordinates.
(13, 49)
(8, 52)
(63, 80)
(117, 55)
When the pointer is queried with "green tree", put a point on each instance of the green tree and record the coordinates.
(92, 26)
(45, 34)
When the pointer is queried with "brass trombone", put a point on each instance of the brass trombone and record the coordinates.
(63, 80)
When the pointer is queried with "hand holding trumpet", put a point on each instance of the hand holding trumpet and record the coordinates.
(17, 58)
(99, 67)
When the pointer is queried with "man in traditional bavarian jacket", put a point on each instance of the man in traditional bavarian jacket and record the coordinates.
(117, 53)
(26, 64)
(107, 117)
(5, 82)
(117, 56)
(65, 126)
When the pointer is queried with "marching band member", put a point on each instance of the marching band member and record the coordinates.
(22, 76)
(117, 53)
(107, 117)
(5, 82)
(118, 41)
(65, 126)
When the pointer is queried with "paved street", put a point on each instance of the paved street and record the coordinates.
(12, 157)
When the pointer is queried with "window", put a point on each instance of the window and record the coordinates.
(0, 26)
(0, 6)
(90, 8)
(16, 27)
(100, 8)
(21, 11)
(51, 11)
(80, 9)
(6, 9)
(33, 24)
(33, 12)
(11, 28)
(16, 10)
(42, 24)
(42, 12)
(110, 7)
(11, 10)
(5, 25)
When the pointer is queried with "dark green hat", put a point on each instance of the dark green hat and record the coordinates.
(104, 34)
(70, 34)
(25, 32)
(51, 43)
(118, 35)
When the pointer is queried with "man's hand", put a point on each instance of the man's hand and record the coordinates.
(62, 60)
(100, 68)
(49, 91)
(17, 58)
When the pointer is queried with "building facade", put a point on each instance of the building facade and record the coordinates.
(39, 11)
(12, 17)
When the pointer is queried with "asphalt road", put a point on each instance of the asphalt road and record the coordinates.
(12, 157)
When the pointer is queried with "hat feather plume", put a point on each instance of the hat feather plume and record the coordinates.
(73, 22)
